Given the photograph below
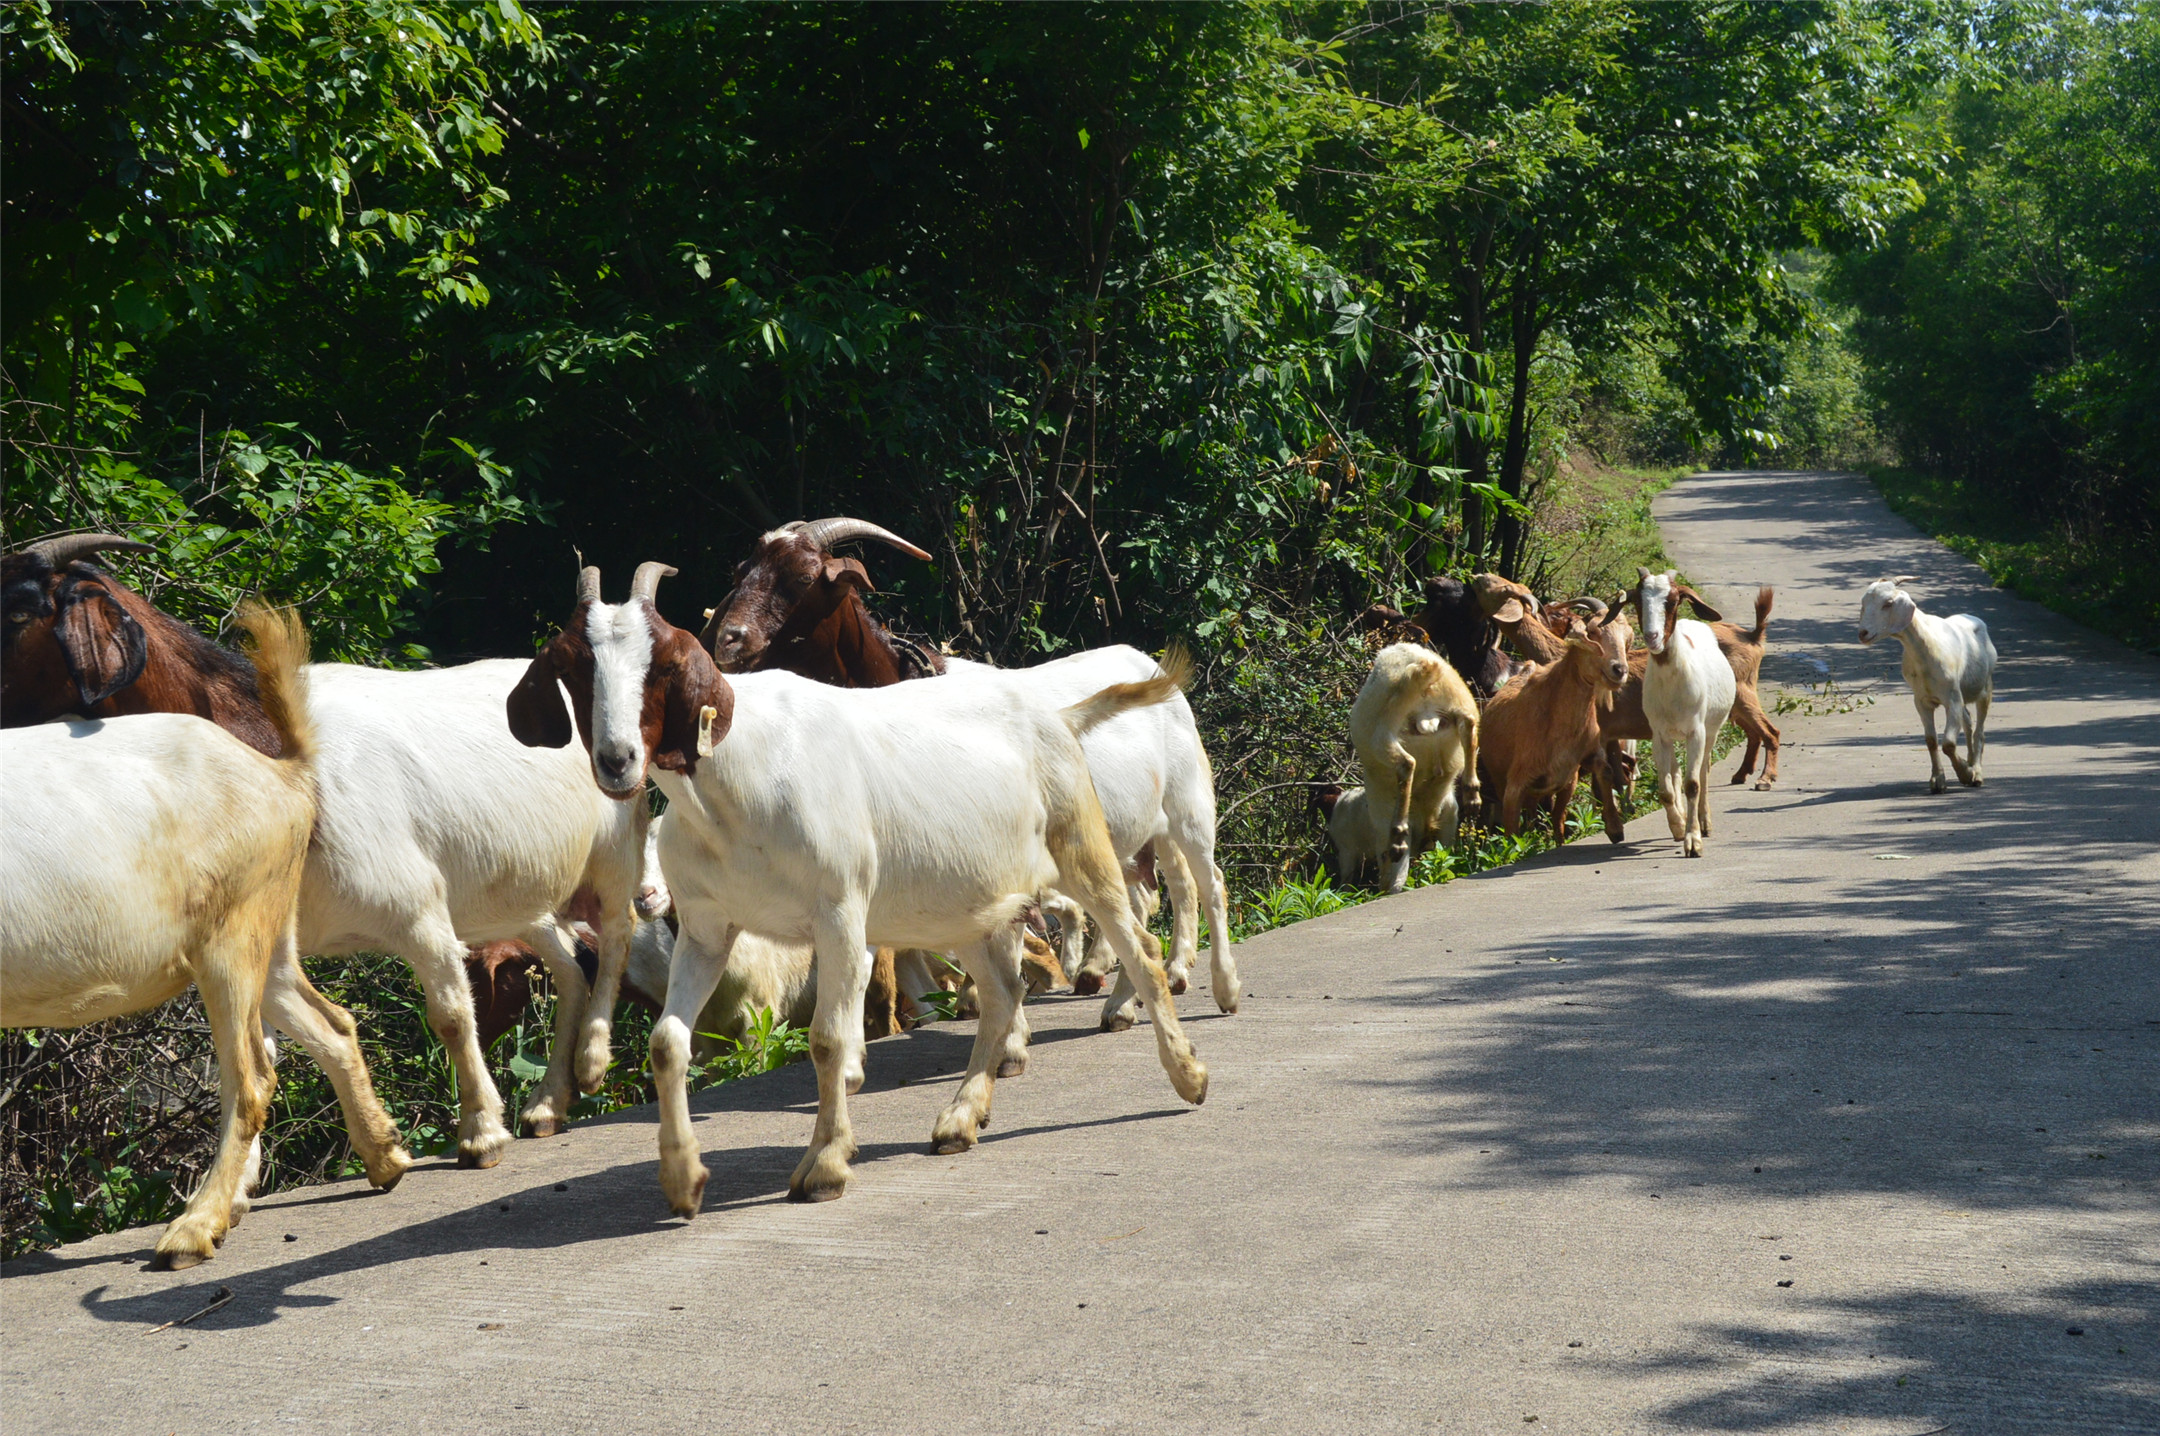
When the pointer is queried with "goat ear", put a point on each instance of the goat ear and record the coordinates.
(104, 645)
(693, 685)
(538, 716)
(849, 571)
(1702, 610)
(1510, 611)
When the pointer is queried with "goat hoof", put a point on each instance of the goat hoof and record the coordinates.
(544, 1126)
(178, 1260)
(1763, 785)
(1011, 1067)
(1618, 835)
(391, 1170)
(1117, 1022)
(1177, 987)
(1937, 785)
(1087, 984)
(688, 1205)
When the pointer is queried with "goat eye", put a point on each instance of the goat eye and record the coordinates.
(19, 616)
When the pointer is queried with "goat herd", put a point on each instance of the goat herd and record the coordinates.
(829, 826)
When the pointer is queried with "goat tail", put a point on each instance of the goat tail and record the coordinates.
(278, 647)
(1100, 708)
(1762, 613)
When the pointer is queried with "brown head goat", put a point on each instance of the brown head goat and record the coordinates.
(799, 607)
(1538, 732)
(1464, 621)
(76, 640)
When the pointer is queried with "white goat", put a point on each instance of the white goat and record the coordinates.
(925, 814)
(435, 829)
(143, 854)
(1688, 691)
(1360, 839)
(1414, 725)
(1156, 787)
(1949, 663)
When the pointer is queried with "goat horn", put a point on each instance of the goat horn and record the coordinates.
(1588, 605)
(827, 532)
(646, 583)
(1901, 582)
(588, 585)
(60, 552)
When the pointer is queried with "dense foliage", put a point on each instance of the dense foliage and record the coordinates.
(1205, 320)
(2010, 326)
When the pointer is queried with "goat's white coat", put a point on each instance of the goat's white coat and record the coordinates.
(1359, 836)
(437, 828)
(1688, 691)
(179, 869)
(926, 814)
(1153, 778)
(1949, 663)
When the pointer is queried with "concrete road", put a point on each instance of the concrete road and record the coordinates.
(1848, 1126)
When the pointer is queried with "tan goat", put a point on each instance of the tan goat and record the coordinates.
(1415, 727)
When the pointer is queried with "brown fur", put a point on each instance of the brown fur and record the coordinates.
(1540, 731)
(798, 608)
(78, 640)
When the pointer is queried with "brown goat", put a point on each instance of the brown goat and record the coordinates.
(1621, 714)
(1539, 731)
(77, 640)
(1464, 621)
(798, 607)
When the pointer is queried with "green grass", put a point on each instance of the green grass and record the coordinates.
(2109, 582)
(1594, 528)
(1478, 849)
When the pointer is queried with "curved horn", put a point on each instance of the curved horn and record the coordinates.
(588, 585)
(646, 583)
(827, 532)
(1617, 610)
(1901, 582)
(60, 552)
(1593, 606)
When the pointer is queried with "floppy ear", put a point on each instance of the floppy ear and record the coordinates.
(1702, 610)
(849, 571)
(1510, 611)
(693, 686)
(538, 716)
(105, 647)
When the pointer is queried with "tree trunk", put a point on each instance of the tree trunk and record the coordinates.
(1513, 529)
(1476, 455)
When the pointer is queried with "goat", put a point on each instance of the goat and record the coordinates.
(1415, 728)
(1542, 729)
(919, 814)
(797, 607)
(77, 640)
(1949, 663)
(1462, 620)
(188, 875)
(1688, 690)
(1357, 838)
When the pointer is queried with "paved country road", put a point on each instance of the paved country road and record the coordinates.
(1848, 1126)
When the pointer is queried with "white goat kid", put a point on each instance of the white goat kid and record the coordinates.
(1156, 787)
(1414, 725)
(920, 815)
(1688, 691)
(181, 864)
(1949, 664)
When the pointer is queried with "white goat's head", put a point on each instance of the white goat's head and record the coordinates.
(1658, 600)
(1885, 609)
(641, 688)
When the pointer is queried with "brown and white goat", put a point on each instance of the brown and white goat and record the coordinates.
(1541, 730)
(918, 814)
(798, 606)
(181, 866)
